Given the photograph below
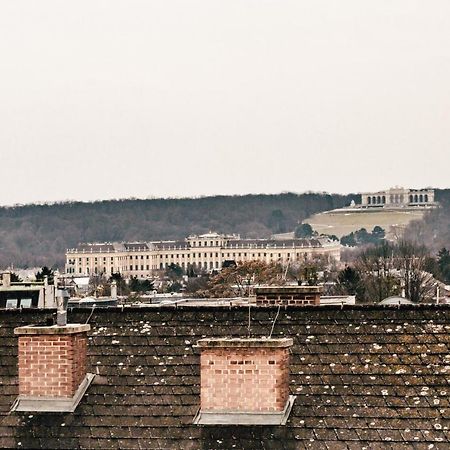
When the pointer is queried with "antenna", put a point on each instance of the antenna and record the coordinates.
(61, 313)
(274, 321)
(286, 271)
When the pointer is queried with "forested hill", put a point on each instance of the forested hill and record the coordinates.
(36, 235)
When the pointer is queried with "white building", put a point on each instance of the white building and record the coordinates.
(23, 294)
(398, 198)
(204, 252)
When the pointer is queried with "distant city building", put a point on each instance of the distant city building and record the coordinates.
(208, 252)
(33, 294)
(398, 198)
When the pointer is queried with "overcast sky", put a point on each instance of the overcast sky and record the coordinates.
(109, 99)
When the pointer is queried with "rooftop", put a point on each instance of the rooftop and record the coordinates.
(373, 376)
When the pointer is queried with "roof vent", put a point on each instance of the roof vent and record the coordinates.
(244, 381)
(52, 367)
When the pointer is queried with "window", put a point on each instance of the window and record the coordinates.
(25, 303)
(136, 267)
(11, 303)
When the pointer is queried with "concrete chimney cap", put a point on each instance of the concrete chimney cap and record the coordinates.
(245, 342)
(71, 328)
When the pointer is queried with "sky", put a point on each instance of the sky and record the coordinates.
(117, 99)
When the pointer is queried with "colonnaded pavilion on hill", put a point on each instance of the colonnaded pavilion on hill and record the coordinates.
(205, 252)
(399, 198)
(352, 377)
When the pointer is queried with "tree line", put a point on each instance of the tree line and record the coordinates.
(38, 235)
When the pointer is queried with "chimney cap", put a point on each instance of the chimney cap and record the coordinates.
(71, 328)
(245, 342)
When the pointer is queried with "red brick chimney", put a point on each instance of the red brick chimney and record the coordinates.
(244, 381)
(52, 367)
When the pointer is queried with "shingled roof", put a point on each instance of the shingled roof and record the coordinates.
(364, 376)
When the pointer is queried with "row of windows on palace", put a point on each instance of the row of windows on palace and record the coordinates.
(141, 268)
(163, 265)
(397, 198)
(188, 248)
(172, 256)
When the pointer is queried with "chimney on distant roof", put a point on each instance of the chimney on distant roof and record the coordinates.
(6, 279)
(52, 367)
(288, 295)
(244, 381)
(113, 289)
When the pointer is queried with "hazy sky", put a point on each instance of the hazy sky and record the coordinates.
(105, 99)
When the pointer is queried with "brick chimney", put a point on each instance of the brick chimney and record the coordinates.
(288, 295)
(52, 367)
(244, 381)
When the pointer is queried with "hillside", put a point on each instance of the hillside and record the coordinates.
(341, 223)
(34, 235)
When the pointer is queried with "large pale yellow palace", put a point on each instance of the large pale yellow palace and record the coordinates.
(205, 252)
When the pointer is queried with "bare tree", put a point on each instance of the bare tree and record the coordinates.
(394, 269)
(377, 269)
(237, 280)
(411, 262)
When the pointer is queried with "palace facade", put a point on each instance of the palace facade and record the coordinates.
(398, 198)
(201, 252)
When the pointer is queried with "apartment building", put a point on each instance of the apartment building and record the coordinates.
(201, 252)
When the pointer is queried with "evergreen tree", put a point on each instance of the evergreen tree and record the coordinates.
(45, 272)
(304, 231)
